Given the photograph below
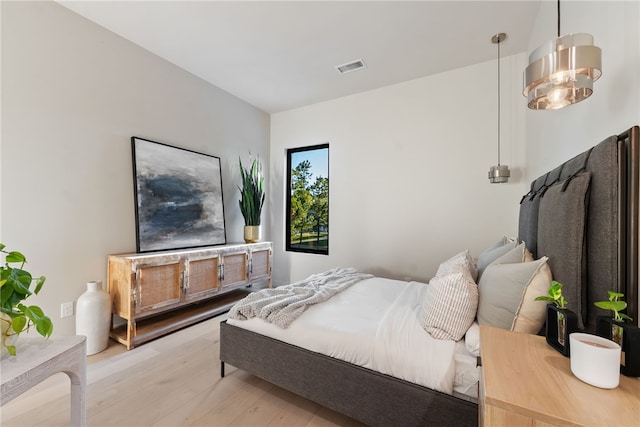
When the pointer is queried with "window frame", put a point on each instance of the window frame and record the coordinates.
(289, 247)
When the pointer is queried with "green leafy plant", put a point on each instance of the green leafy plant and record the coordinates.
(614, 304)
(554, 295)
(252, 192)
(15, 284)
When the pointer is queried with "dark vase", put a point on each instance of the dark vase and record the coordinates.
(628, 336)
(560, 324)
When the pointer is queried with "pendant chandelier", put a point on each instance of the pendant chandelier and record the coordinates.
(500, 173)
(562, 71)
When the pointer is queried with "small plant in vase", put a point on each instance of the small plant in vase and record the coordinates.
(554, 295)
(619, 330)
(560, 321)
(251, 199)
(616, 305)
(16, 317)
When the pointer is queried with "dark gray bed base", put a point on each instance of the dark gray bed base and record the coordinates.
(365, 395)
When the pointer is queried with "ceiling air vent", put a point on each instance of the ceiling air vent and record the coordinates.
(351, 66)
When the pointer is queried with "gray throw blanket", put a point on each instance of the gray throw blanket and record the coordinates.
(284, 304)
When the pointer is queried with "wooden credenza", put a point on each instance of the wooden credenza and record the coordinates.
(525, 382)
(157, 293)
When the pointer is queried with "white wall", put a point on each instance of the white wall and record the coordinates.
(553, 136)
(408, 172)
(408, 162)
(73, 94)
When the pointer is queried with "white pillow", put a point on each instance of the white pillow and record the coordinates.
(531, 314)
(449, 305)
(503, 241)
(493, 253)
(460, 262)
(513, 256)
(472, 339)
(507, 294)
(528, 257)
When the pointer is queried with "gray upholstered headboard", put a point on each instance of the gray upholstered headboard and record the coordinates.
(583, 215)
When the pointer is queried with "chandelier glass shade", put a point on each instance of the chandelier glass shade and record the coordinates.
(562, 71)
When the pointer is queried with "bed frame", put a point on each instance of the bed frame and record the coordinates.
(608, 258)
(604, 254)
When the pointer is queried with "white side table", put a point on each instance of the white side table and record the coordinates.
(38, 359)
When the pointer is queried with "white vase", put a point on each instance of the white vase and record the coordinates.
(93, 317)
(595, 360)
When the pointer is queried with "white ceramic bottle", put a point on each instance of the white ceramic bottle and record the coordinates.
(93, 317)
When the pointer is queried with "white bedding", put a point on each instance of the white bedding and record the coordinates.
(376, 324)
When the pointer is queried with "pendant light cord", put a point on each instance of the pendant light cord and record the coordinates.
(498, 101)
(558, 18)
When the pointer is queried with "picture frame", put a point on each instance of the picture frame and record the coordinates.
(179, 202)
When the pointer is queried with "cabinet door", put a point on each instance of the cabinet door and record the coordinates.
(120, 282)
(259, 263)
(234, 271)
(157, 286)
(202, 278)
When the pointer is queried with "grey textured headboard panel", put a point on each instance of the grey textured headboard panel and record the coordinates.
(562, 218)
(528, 226)
(605, 258)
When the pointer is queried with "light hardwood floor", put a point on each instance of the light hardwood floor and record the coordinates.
(172, 381)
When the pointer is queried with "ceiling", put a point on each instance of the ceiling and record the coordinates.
(282, 55)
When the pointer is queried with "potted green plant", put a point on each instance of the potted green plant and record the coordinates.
(15, 316)
(619, 330)
(561, 322)
(251, 199)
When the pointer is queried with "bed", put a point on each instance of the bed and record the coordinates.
(581, 218)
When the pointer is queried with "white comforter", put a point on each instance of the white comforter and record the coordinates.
(376, 324)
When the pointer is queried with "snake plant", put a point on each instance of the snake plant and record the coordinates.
(252, 192)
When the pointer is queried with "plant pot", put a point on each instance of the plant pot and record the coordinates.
(251, 233)
(628, 336)
(595, 360)
(560, 324)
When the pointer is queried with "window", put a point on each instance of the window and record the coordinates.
(307, 225)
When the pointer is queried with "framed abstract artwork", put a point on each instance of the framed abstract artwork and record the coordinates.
(178, 197)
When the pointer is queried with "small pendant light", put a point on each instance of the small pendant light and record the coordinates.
(500, 173)
(562, 71)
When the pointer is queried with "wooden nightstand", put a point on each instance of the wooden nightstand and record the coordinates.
(526, 382)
